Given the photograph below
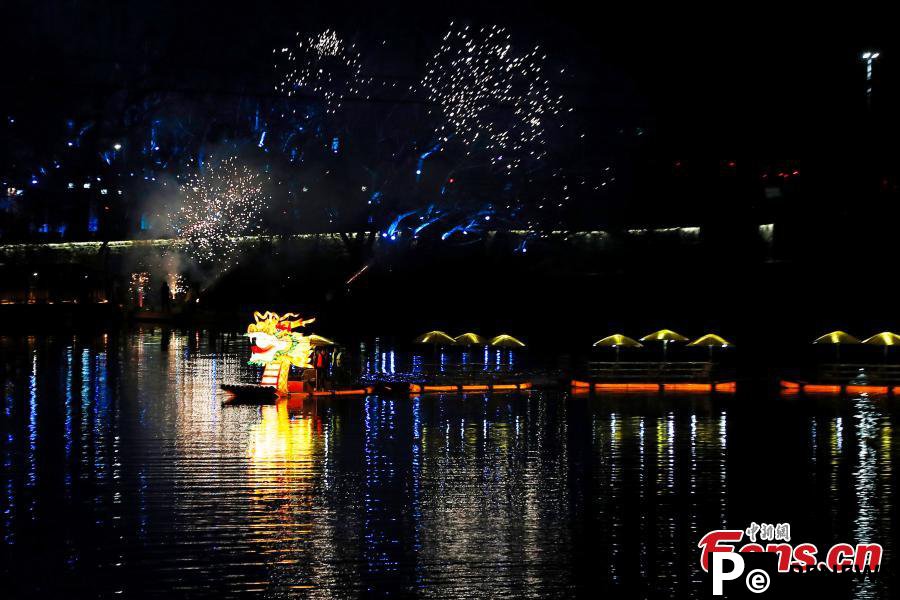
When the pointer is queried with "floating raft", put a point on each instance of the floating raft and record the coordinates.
(836, 389)
(725, 387)
(462, 388)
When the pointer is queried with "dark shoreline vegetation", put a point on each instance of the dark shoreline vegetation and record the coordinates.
(567, 291)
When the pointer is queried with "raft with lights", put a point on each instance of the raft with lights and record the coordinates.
(849, 377)
(648, 376)
(276, 347)
(465, 377)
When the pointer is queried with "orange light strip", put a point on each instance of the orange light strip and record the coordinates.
(580, 384)
(358, 392)
(626, 387)
(415, 388)
(867, 389)
(822, 389)
(725, 386)
(815, 388)
(687, 387)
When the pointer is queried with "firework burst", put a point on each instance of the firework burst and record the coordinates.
(321, 64)
(218, 208)
(489, 94)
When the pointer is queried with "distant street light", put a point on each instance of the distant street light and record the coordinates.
(869, 58)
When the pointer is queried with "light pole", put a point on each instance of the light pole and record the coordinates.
(869, 58)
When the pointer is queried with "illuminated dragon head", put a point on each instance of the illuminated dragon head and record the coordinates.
(273, 339)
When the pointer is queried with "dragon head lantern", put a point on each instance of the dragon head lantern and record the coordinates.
(277, 347)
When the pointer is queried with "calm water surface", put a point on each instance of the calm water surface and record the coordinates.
(124, 476)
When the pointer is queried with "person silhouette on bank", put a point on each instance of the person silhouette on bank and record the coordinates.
(165, 297)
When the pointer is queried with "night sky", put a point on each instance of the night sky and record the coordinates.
(720, 77)
(755, 84)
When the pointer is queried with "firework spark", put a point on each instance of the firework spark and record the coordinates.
(139, 288)
(218, 208)
(321, 64)
(491, 95)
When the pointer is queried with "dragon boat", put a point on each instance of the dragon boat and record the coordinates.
(276, 347)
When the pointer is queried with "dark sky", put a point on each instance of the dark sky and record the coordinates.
(721, 80)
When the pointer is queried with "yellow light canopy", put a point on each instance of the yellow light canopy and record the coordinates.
(836, 337)
(318, 340)
(885, 338)
(664, 335)
(470, 339)
(617, 340)
(435, 337)
(506, 341)
(711, 340)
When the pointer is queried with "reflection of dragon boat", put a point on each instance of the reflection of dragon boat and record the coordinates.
(277, 347)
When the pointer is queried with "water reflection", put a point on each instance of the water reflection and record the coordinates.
(122, 472)
(380, 363)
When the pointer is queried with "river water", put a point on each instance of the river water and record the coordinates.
(123, 475)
